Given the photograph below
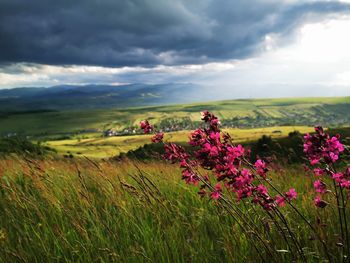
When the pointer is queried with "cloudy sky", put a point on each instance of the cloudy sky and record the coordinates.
(246, 48)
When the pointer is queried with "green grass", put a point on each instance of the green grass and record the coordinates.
(74, 211)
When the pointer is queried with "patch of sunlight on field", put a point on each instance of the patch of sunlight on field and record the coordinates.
(102, 147)
(243, 135)
(99, 147)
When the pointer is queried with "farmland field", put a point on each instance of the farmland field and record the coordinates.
(233, 113)
(102, 147)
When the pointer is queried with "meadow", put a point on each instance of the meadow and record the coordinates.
(56, 210)
(93, 207)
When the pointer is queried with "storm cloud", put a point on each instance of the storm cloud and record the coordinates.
(147, 33)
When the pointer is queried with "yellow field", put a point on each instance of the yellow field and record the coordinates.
(102, 147)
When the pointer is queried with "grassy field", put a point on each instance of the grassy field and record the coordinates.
(233, 113)
(102, 147)
(56, 210)
(91, 208)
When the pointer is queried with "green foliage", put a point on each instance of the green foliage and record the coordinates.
(79, 211)
(20, 145)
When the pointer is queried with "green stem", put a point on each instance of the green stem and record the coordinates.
(297, 211)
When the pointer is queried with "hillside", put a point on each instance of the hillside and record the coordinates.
(233, 113)
(70, 97)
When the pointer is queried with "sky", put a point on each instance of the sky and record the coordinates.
(243, 48)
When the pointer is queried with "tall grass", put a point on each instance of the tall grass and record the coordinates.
(81, 211)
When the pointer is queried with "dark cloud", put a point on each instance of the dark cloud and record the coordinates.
(146, 32)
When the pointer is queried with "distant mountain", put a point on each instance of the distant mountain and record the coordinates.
(65, 97)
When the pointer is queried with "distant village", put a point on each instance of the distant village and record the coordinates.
(135, 130)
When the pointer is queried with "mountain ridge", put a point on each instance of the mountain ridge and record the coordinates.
(95, 96)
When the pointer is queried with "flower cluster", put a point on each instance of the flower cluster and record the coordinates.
(288, 196)
(158, 137)
(146, 127)
(221, 168)
(320, 147)
(214, 151)
(323, 151)
(176, 153)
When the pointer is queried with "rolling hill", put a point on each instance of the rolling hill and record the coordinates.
(330, 112)
(69, 97)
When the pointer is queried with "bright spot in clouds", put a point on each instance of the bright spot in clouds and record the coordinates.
(322, 42)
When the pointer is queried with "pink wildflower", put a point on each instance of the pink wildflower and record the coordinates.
(338, 177)
(174, 152)
(291, 194)
(345, 184)
(235, 152)
(216, 194)
(145, 126)
(320, 186)
(197, 137)
(319, 202)
(319, 172)
(215, 136)
(190, 177)
(280, 201)
(158, 137)
(321, 147)
(183, 163)
(261, 189)
(260, 167)
(334, 157)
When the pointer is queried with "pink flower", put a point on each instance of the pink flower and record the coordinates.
(260, 166)
(335, 145)
(215, 136)
(321, 147)
(214, 151)
(319, 202)
(334, 157)
(174, 152)
(280, 201)
(347, 172)
(338, 177)
(216, 194)
(214, 122)
(261, 189)
(320, 186)
(235, 152)
(158, 137)
(183, 163)
(314, 161)
(197, 137)
(319, 171)
(345, 184)
(190, 177)
(145, 126)
(291, 194)
(246, 174)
